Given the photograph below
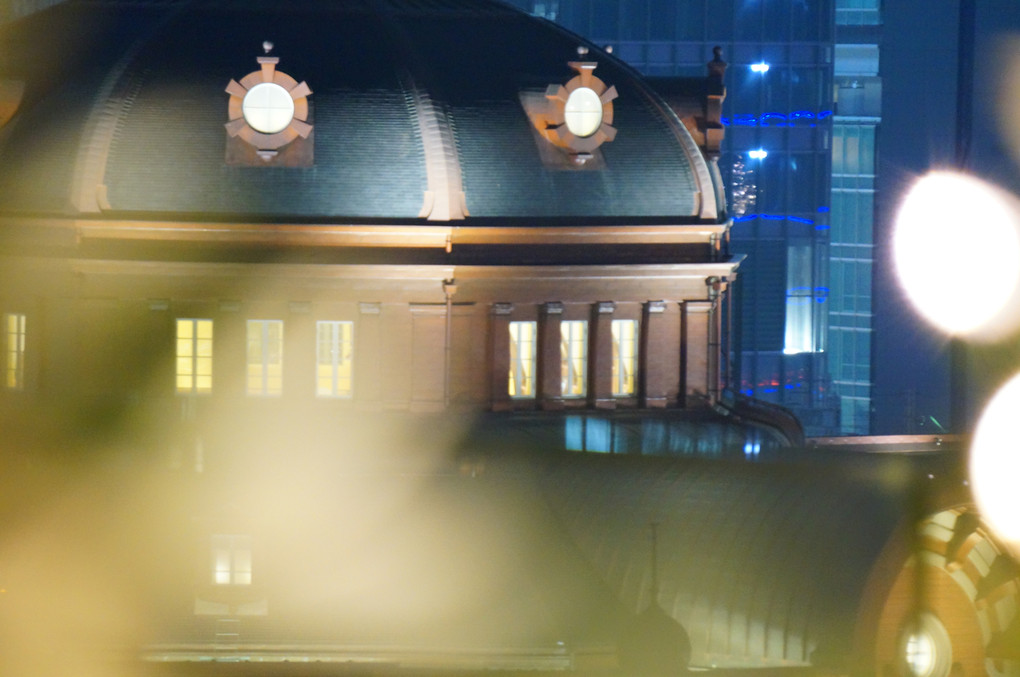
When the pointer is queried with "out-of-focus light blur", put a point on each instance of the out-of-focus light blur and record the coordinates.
(995, 462)
(758, 154)
(761, 67)
(1008, 95)
(957, 253)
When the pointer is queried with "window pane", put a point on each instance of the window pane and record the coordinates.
(242, 566)
(194, 355)
(345, 361)
(14, 362)
(265, 357)
(203, 366)
(221, 566)
(522, 359)
(801, 318)
(573, 358)
(624, 356)
(334, 357)
(231, 560)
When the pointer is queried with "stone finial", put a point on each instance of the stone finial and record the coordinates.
(717, 67)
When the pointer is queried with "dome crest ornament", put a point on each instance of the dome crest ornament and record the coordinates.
(572, 120)
(580, 113)
(268, 109)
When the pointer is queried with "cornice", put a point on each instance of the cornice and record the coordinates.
(29, 229)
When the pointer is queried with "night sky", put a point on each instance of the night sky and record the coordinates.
(920, 57)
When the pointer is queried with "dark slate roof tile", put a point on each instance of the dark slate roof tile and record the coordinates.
(362, 60)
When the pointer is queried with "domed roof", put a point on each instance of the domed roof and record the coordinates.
(403, 111)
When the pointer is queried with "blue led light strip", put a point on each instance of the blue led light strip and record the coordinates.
(783, 217)
(798, 118)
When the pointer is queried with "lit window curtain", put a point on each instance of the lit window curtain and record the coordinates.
(194, 356)
(14, 372)
(231, 560)
(522, 359)
(574, 358)
(624, 356)
(335, 359)
(265, 357)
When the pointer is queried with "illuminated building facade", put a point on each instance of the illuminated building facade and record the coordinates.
(284, 242)
(804, 294)
(418, 251)
(307, 309)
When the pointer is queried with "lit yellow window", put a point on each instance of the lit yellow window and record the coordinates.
(265, 357)
(231, 560)
(334, 361)
(14, 353)
(522, 359)
(194, 356)
(574, 358)
(625, 354)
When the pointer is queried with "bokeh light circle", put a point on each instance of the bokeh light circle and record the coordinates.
(957, 252)
(995, 462)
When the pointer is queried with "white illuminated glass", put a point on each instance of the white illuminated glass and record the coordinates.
(800, 334)
(268, 108)
(927, 650)
(758, 154)
(760, 67)
(920, 654)
(231, 560)
(583, 113)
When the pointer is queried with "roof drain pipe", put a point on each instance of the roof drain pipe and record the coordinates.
(449, 289)
(716, 289)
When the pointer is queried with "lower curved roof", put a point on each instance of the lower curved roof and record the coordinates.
(762, 565)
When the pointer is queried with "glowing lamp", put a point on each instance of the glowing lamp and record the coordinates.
(758, 154)
(956, 246)
(760, 67)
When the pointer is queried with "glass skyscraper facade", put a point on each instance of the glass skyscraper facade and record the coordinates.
(801, 112)
(858, 94)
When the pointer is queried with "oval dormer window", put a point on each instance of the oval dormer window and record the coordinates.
(583, 112)
(268, 108)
